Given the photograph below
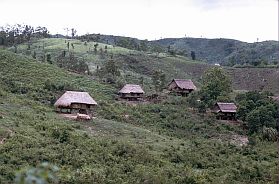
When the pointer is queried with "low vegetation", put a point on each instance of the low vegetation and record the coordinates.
(137, 66)
(163, 142)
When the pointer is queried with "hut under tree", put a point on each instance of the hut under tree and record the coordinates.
(182, 86)
(225, 111)
(131, 92)
(73, 102)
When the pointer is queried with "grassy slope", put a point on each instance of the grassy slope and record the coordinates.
(136, 64)
(222, 50)
(155, 143)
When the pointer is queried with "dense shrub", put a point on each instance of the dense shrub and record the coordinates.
(260, 117)
(257, 109)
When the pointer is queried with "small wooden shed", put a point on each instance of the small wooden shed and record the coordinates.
(131, 92)
(182, 86)
(75, 102)
(225, 111)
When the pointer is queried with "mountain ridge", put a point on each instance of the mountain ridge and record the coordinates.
(224, 51)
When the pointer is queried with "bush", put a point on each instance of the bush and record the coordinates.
(61, 134)
(260, 117)
(48, 58)
(269, 133)
(42, 174)
(257, 109)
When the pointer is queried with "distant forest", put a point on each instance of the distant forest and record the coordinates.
(11, 35)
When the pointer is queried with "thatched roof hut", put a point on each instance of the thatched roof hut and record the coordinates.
(225, 111)
(131, 88)
(225, 107)
(183, 84)
(131, 92)
(74, 97)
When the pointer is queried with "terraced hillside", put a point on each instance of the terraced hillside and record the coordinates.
(145, 143)
(135, 64)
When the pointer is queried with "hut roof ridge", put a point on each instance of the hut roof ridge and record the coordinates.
(131, 88)
(227, 107)
(185, 84)
(70, 97)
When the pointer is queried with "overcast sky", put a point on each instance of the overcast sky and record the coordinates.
(244, 20)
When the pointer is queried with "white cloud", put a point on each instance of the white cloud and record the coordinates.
(245, 20)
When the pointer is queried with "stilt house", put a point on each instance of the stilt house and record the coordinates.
(131, 92)
(181, 86)
(75, 102)
(225, 111)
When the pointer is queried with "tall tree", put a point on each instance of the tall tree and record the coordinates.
(28, 31)
(109, 72)
(157, 49)
(68, 46)
(42, 32)
(193, 55)
(73, 32)
(159, 80)
(143, 45)
(216, 83)
(67, 31)
(112, 68)
(95, 47)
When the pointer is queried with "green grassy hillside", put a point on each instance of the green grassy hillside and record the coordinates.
(225, 51)
(145, 143)
(135, 65)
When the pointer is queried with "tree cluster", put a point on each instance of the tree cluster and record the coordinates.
(72, 63)
(258, 110)
(90, 37)
(159, 80)
(17, 34)
(109, 72)
(128, 43)
(216, 86)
